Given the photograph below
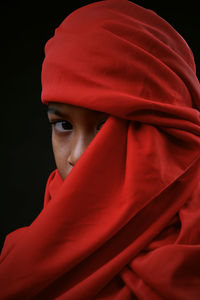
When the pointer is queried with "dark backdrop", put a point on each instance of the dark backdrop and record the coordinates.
(26, 155)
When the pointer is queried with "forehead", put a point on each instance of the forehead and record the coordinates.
(63, 109)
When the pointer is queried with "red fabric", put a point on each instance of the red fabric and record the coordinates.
(125, 223)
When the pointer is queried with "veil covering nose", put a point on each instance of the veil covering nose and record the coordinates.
(125, 223)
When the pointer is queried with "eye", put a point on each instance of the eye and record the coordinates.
(101, 124)
(62, 126)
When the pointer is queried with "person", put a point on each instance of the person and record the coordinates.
(121, 211)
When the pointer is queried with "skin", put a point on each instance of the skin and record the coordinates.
(73, 129)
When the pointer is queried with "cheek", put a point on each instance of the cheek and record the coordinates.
(61, 150)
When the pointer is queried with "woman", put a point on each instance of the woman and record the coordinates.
(121, 214)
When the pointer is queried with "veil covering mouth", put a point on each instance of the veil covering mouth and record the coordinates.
(124, 224)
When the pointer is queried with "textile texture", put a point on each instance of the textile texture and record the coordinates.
(125, 223)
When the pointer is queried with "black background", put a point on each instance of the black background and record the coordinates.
(26, 155)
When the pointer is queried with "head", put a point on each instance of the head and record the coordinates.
(114, 57)
(73, 129)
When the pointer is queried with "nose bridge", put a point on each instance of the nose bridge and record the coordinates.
(80, 142)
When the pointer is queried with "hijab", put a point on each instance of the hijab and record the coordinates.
(125, 222)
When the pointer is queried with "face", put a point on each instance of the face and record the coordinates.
(73, 129)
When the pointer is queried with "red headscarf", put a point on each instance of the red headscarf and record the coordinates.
(125, 223)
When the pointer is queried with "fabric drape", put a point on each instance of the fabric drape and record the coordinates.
(125, 223)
